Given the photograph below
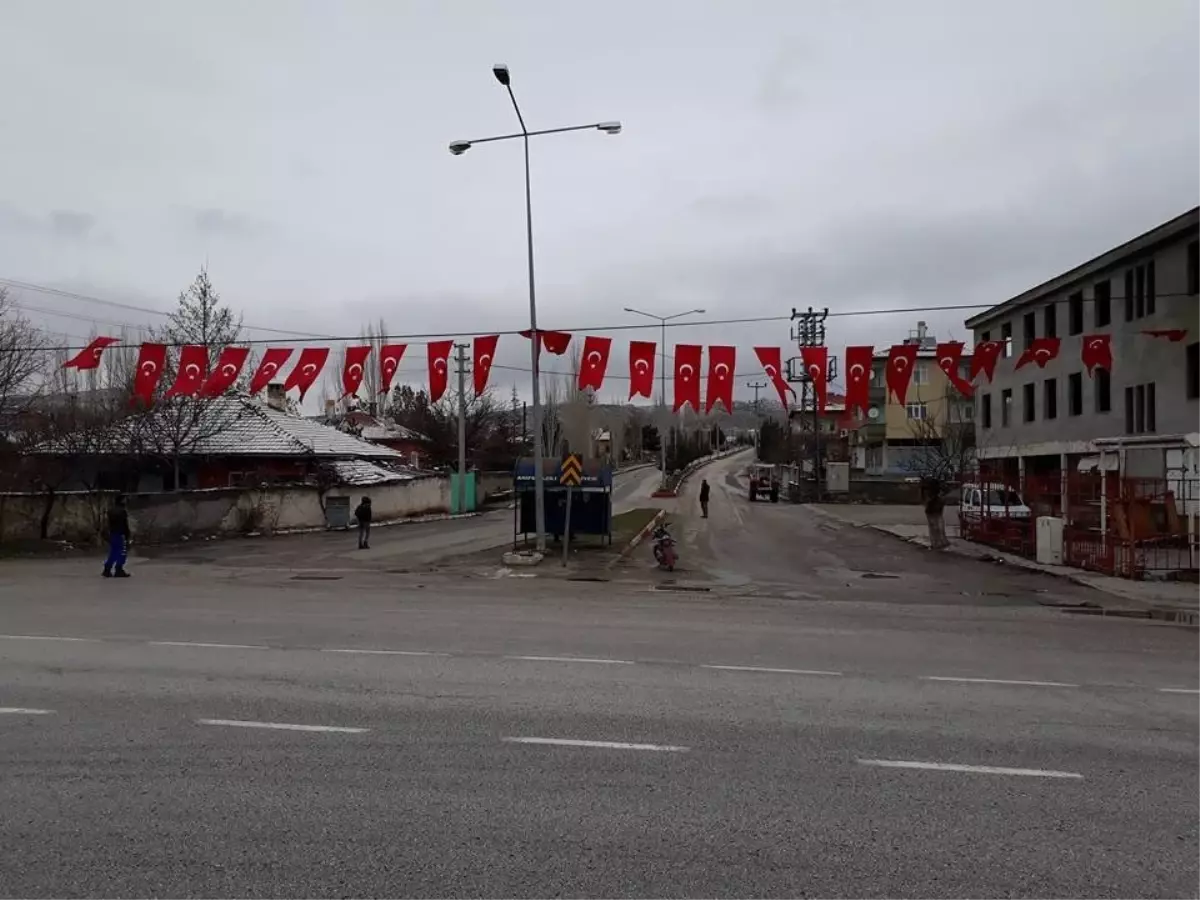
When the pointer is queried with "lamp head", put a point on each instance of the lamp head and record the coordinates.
(610, 127)
(458, 148)
(501, 72)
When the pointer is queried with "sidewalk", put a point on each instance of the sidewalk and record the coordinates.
(1169, 600)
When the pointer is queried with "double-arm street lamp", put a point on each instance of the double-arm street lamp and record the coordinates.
(460, 147)
(662, 373)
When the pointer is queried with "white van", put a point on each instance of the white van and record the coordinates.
(980, 500)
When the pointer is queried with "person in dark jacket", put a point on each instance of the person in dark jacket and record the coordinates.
(363, 514)
(118, 539)
(704, 498)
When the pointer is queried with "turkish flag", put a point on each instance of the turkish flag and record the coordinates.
(901, 360)
(1040, 350)
(687, 376)
(193, 367)
(352, 368)
(720, 377)
(225, 373)
(949, 355)
(816, 365)
(594, 363)
(858, 378)
(151, 360)
(1174, 335)
(641, 368)
(439, 368)
(389, 361)
(554, 341)
(483, 351)
(308, 368)
(89, 356)
(771, 360)
(984, 358)
(268, 367)
(1096, 350)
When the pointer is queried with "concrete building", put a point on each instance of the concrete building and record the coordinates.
(1142, 417)
(896, 435)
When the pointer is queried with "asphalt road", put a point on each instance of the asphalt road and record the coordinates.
(226, 732)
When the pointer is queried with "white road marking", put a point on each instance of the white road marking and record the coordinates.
(774, 671)
(281, 726)
(998, 681)
(602, 745)
(203, 644)
(382, 652)
(956, 767)
(574, 659)
(47, 637)
(1179, 690)
(22, 711)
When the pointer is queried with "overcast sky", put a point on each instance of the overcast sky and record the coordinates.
(778, 153)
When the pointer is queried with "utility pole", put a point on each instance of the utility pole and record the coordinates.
(757, 386)
(810, 332)
(460, 364)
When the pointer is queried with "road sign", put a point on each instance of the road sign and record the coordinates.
(571, 473)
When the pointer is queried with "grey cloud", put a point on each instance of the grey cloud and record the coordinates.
(223, 223)
(71, 224)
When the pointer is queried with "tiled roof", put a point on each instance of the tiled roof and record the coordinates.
(359, 473)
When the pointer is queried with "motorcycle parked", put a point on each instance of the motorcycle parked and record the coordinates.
(664, 548)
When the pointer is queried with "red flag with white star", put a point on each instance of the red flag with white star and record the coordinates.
(687, 376)
(353, 367)
(772, 362)
(308, 367)
(816, 366)
(89, 356)
(949, 355)
(389, 361)
(439, 368)
(268, 367)
(193, 368)
(720, 377)
(901, 360)
(225, 372)
(984, 358)
(151, 360)
(594, 362)
(1096, 351)
(641, 368)
(858, 378)
(1040, 350)
(483, 351)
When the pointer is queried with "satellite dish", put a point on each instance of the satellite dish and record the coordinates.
(873, 413)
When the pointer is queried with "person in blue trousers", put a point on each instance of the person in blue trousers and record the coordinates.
(118, 539)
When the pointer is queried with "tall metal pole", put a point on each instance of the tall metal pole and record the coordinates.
(461, 360)
(662, 399)
(535, 346)
(757, 386)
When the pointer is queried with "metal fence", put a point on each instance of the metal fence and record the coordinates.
(1131, 527)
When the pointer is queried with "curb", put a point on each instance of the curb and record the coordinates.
(638, 538)
(1180, 617)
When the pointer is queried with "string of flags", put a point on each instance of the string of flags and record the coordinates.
(193, 377)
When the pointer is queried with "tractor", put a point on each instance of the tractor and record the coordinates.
(764, 482)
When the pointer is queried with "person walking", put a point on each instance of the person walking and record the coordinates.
(118, 539)
(363, 514)
(704, 489)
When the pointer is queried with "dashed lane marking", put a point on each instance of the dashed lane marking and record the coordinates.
(770, 670)
(210, 646)
(24, 711)
(1179, 690)
(958, 767)
(574, 659)
(47, 637)
(599, 745)
(281, 726)
(998, 681)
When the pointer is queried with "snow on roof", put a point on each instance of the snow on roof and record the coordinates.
(359, 472)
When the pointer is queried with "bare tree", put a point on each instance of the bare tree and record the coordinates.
(22, 360)
(944, 453)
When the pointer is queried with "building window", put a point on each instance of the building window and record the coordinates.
(917, 411)
(1103, 301)
(1050, 320)
(921, 373)
(1075, 313)
(1006, 337)
(1129, 295)
(1075, 394)
(1103, 382)
(985, 336)
(966, 412)
(985, 409)
(1140, 413)
(1193, 268)
(1028, 398)
(1193, 370)
(1151, 288)
(1030, 329)
(1050, 398)
(1006, 407)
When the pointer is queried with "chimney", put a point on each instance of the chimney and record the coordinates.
(330, 409)
(276, 397)
(921, 331)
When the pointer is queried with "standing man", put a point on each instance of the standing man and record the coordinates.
(363, 514)
(118, 539)
(704, 498)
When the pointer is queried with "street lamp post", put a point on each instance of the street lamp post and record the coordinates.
(458, 148)
(662, 374)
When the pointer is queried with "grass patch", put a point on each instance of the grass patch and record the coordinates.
(627, 524)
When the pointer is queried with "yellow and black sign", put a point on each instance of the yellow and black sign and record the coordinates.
(571, 474)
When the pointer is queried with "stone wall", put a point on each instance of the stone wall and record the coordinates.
(80, 516)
